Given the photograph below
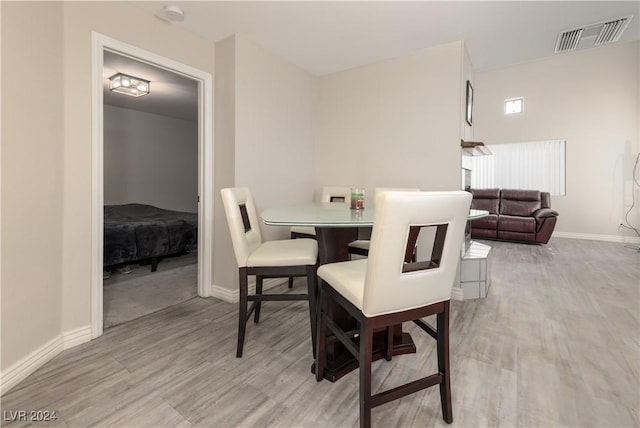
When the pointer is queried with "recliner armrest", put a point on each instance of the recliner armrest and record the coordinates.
(545, 212)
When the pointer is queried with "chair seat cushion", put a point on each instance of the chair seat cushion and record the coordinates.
(287, 252)
(303, 230)
(347, 278)
(362, 244)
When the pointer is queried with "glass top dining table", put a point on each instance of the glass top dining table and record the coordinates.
(329, 214)
(320, 214)
(336, 224)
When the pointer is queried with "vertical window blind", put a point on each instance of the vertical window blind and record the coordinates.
(538, 165)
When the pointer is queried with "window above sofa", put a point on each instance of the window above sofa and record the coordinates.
(531, 165)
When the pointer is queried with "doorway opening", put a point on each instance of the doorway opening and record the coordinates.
(132, 150)
(150, 188)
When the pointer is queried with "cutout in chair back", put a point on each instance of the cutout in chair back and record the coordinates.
(245, 217)
(436, 252)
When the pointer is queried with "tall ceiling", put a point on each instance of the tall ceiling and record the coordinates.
(324, 37)
(327, 36)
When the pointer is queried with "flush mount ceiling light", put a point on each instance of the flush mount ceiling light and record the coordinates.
(174, 13)
(128, 85)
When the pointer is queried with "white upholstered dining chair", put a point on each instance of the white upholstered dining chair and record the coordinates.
(361, 246)
(385, 290)
(270, 259)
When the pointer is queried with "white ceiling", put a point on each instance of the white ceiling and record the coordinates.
(323, 37)
(328, 36)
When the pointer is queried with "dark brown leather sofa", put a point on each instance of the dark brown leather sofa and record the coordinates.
(514, 215)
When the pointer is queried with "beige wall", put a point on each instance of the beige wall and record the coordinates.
(275, 112)
(265, 115)
(466, 130)
(394, 123)
(591, 99)
(225, 270)
(32, 176)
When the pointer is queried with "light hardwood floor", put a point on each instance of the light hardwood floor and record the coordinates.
(556, 343)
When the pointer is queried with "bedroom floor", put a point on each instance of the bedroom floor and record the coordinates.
(142, 292)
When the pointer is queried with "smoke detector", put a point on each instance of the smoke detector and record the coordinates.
(174, 13)
(601, 33)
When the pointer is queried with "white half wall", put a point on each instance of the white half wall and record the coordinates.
(591, 98)
(150, 159)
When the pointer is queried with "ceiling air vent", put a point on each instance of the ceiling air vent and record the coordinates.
(601, 33)
(611, 31)
(568, 40)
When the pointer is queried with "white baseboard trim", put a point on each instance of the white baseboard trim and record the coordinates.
(233, 296)
(594, 237)
(19, 371)
(223, 293)
(76, 337)
(29, 364)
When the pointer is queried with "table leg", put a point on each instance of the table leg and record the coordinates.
(333, 243)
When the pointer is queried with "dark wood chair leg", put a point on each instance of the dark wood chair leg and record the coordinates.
(321, 334)
(389, 350)
(364, 360)
(312, 292)
(242, 313)
(442, 320)
(256, 314)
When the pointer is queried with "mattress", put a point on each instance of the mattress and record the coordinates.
(134, 232)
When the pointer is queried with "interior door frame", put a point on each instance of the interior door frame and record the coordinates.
(100, 43)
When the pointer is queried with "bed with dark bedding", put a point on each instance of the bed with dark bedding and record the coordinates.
(140, 233)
